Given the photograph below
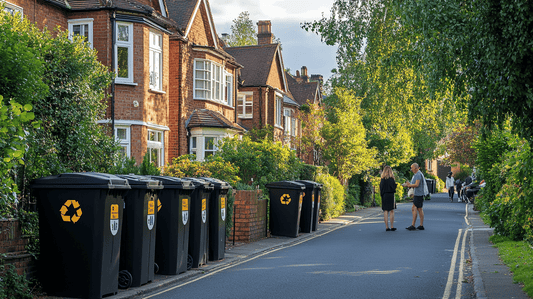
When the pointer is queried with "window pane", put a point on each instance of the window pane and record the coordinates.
(151, 136)
(122, 57)
(207, 154)
(193, 142)
(122, 151)
(209, 143)
(76, 30)
(123, 33)
(154, 156)
(121, 134)
(85, 31)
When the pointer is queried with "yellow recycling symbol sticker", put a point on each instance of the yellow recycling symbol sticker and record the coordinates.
(285, 199)
(159, 205)
(64, 209)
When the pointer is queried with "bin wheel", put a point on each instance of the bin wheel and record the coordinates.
(189, 262)
(156, 268)
(124, 279)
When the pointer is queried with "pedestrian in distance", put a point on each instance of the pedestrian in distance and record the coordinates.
(450, 183)
(418, 183)
(387, 189)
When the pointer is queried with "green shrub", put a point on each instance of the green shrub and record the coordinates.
(308, 172)
(213, 167)
(353, 197)
(260, 162)
(332, 196)
(13, 285)
(400, 191)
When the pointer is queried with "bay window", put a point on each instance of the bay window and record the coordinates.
(212, 82)
(155, 147)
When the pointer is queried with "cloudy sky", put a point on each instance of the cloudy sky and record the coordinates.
(300, 48)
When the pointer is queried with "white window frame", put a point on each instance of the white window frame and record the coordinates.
(13, 9)
(287, 114)
(158, 145)
(75, 22)
(217, 84)
(125, 143)
(228, 88)
(156, 61)
(206, 78)
(124, 44)
(278, 110)
(214, 149)
(241, 109)
(193, 146)
(294, 127)
(162, 7)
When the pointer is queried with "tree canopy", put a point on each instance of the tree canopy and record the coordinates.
(244, 32)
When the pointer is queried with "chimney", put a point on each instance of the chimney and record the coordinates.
(304, 74)
(297, 73)
(264, 33)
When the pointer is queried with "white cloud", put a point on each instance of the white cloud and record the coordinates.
(300, 48)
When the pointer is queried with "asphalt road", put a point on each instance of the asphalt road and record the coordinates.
(359, 260)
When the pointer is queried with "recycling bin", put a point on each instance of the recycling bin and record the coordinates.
(217, 218)
(199, 226)
(172, 231)
(285, 206)
(316, 209)
(137, 252)
(309, 213)
(80, 226)
(431, 185)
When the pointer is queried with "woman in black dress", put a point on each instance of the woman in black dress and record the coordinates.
(387, 188)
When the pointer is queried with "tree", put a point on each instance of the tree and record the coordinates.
(345, 146)
(483, 48)
(377, 60)
(244, 32)
(459, 145)
(312, 117)
(20, 85)
(69, 137)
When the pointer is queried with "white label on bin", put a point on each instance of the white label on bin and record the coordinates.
(185, 217)
(185, 210)
(114, 226)
(204, 210)
(223, 208)
(150, 221)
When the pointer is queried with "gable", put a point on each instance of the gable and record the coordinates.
(276, 76)
(201, 29)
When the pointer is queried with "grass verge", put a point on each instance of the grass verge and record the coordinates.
(518, 256)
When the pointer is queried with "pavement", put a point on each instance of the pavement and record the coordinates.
(491, 278)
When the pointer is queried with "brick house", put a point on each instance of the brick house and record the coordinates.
(170, 70)
(263, 96)
(306, 91)
(202, 82)
(132, 39)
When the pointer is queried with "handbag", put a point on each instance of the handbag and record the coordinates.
(411, 192)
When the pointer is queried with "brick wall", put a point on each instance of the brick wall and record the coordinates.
(250, 216)
(12, 248)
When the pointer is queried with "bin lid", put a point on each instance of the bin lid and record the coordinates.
(141, 182)
(170, 182)
(200, 183)
(310, 184)
(217, 184)
(286, 185)
(92, 180)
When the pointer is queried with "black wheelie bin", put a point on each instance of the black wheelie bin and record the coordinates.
(199, 227)
(217, 218)
(172, 232)
(285, 206)
(80, 225)
(308, 214)
(137, 251)
(316, 209)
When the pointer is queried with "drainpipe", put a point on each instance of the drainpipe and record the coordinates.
(113, 36)
(260, 108)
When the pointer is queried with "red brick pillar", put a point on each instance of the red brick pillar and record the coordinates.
(250, 216)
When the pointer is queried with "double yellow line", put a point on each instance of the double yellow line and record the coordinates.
(451, 273)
